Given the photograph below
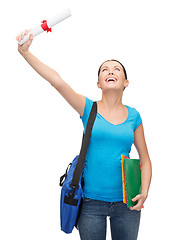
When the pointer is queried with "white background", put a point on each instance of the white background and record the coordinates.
(41, 133)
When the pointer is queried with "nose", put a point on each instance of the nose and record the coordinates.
(111, 73)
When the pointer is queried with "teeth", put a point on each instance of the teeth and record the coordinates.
(111, 79)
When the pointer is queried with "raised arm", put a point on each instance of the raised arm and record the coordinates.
(77, 101)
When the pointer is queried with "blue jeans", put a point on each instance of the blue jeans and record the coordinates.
(92, 221)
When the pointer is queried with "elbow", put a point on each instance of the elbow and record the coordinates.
(146, 163)
(56, 81)
(147, 167)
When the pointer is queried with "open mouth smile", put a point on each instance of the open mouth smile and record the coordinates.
(111, 79)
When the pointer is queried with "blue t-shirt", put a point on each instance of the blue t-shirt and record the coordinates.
(103, 171)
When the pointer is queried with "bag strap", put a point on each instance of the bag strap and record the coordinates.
(85, 143)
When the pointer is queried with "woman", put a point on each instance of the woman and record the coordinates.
(115, 129)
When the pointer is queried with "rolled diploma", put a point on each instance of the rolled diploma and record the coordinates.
(51, 22)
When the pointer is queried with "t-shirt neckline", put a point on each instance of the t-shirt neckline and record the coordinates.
(119, 123)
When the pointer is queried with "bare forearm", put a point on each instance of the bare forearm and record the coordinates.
(43, 70)
(146, 174)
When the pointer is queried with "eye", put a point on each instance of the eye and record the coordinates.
(117, 69)
(104, 69)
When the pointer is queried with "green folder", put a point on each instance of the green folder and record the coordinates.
(132, 179)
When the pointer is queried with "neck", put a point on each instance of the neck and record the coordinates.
(111, 101)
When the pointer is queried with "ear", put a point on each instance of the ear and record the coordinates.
(98, 84)
(126, 83)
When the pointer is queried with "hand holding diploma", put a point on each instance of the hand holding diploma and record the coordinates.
(42, 69)
(24, 48)
(44, 26)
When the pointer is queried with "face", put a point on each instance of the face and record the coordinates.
(112, 76)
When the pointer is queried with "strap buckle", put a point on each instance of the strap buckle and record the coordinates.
(71, 194)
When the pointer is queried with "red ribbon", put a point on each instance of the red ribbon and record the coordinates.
(45, 27)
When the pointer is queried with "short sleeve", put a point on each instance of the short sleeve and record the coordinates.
(87, 109)
(138, 120)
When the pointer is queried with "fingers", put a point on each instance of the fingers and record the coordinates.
(140, 203)
(136, 198)
(21, 36)
(137, 207)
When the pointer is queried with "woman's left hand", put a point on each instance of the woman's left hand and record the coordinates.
(141, 199)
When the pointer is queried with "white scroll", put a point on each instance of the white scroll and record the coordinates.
(47, 24)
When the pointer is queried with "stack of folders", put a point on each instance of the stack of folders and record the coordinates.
(131, 179)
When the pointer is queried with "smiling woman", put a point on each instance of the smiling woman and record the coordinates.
(115, 129)
(118, 67)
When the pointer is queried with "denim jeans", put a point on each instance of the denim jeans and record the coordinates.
(124, 223)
